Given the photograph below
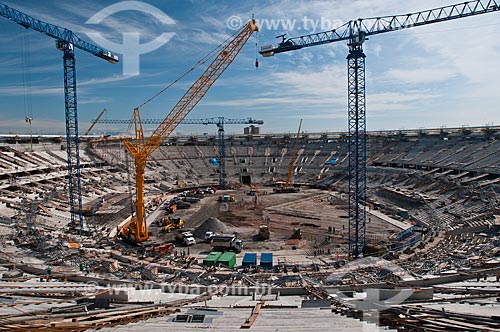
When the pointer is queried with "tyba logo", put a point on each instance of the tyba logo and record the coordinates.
(131, 47)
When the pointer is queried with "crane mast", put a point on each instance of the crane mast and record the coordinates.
(142, 148)
(66, 41)
(355, 32)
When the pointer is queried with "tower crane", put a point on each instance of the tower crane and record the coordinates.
(219, 121)
(66, 41)
(141, 148)
(355, 32)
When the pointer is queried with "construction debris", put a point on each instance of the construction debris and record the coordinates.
(431, 233)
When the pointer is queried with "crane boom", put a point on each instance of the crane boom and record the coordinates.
(196, 91)
(142, 148)
(357, 30)
(95, 121)
(56, 32)
(206, 121)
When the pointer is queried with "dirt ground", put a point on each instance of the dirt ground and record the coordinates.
(323, 226)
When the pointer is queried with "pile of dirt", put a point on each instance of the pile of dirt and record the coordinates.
(210, 225)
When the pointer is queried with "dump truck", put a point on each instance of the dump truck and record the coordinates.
(208, 236)
(226, 243)
(173, 223)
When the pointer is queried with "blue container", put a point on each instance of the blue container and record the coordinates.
(266, 260)
(249, 260)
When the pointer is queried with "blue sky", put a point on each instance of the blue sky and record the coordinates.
(444, 74)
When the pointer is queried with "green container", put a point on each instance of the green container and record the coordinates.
(212, 258)
(227, 259)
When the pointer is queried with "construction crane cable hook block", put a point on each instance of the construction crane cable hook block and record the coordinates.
(142, 148)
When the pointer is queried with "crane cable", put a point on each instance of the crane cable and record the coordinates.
(257, 49)
(25, 65)
(198, 64)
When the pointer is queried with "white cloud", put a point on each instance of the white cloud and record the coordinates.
(39, 126)
(34, 90)
(105, 80)
(93, 100)
(318, 81)
(458, 60)
(421, 75)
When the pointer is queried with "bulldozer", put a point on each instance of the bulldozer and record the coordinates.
(297, 234)
(172, 223)
(263, 232)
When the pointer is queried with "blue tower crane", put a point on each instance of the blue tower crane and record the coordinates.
(219, 121)
(66, 41)
(355, 32)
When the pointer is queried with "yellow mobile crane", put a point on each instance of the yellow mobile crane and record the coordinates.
(141, 148)
(288, 187)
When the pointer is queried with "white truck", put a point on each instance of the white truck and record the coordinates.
(208, 236)
(226, 243)
(187, 238)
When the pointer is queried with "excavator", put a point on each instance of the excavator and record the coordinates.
(171, 223)
(141, 148)
(288, 186)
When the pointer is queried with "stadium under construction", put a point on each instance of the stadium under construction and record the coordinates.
(395, 230)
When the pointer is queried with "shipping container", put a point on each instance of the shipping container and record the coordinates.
(212, 258)
(249, 260)
(266, 260)
(227, 259)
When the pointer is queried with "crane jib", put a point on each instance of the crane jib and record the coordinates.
(56, 32)
(377, 25)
